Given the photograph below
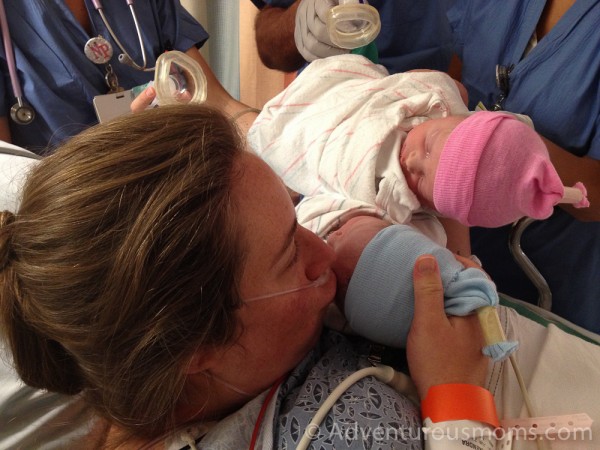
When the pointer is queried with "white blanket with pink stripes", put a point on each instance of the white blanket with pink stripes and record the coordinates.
(334, 135)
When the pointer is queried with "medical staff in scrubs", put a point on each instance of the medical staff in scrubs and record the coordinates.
(60, 82)
(550, 49)
(546, 53)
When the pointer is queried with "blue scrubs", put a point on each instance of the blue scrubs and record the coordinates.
(56, 77)
(557, 85)
(414, 34)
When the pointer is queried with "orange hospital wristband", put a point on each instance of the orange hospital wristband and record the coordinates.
(446, 402)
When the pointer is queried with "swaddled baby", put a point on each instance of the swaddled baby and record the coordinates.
(486, 169)
(337, 135)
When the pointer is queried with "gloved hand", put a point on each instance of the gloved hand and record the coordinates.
(310, 34)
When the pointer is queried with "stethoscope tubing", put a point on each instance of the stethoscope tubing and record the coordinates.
(10, 55)
(20, 112)
(125, 57)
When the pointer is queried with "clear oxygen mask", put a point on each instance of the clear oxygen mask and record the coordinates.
(179, 79)
(353, 24)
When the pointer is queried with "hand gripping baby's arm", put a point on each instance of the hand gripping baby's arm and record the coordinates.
(380, 302)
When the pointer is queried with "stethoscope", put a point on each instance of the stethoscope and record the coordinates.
(125, 57)
(503, 85)
(21, 112)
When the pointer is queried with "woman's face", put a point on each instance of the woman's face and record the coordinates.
(277, 332)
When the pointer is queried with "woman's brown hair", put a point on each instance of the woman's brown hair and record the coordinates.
(123, 259)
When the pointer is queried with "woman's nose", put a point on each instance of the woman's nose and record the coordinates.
(320, 255)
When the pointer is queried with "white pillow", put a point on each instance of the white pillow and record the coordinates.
(15, 163)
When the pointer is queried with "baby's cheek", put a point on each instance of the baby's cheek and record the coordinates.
(343, 266)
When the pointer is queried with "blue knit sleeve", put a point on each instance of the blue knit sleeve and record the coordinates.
(379, 303)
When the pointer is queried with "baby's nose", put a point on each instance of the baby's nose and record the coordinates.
(333, 237)
(408, 161)
(403, 157)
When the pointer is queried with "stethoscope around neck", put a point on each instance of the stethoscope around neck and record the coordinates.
(125, 57)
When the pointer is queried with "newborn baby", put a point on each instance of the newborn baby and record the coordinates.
(345, 134)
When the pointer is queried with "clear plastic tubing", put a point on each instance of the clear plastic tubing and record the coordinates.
(353, 24)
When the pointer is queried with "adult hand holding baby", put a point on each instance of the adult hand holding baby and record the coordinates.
(441, 349)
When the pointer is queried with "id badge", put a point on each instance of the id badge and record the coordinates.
(113, 105)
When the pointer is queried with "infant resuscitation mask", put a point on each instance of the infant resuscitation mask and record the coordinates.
(179, 79)
(353, 24)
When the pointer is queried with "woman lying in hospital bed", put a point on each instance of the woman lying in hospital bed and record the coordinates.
(54, 428)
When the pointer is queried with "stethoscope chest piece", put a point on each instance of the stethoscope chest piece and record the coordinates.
(22, 113)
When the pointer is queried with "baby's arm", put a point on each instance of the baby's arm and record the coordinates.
(461, 87)
(379, 301)
(458, 237)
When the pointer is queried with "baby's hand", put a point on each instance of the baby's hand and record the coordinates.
(471, 262)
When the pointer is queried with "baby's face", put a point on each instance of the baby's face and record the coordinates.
(348, 242)
(420, 155)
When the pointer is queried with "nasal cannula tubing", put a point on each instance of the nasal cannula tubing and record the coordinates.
(318, 282)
